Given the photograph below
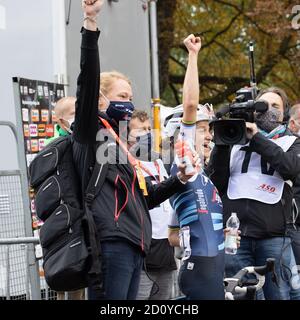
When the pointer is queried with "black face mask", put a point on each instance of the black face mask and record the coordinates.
(268, 120)
(120, 110)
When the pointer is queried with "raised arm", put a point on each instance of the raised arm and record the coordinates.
(86, 122)
(91, 9)
(191, 80)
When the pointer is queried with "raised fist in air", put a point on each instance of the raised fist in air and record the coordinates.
(192, 43)
(91, 8)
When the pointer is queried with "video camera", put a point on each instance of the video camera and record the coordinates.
(233, 130)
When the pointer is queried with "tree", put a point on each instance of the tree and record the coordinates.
(226, 27)
(166, 32)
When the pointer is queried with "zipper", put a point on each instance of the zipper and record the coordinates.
(56, 154)
(42, 187)
(50, 153)
(118, 212)
(59, 245)
(47, 154)
(70, 231)
(75, 244)
(48, 185)
(142, 230)
(68, 216)
(59, 190)
(68, 213)
(69, 219)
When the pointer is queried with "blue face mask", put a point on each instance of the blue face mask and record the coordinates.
(143, 148)
(120, 110)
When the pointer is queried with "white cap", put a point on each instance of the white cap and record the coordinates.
(172, 122)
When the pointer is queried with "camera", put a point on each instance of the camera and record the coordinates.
(233, 130)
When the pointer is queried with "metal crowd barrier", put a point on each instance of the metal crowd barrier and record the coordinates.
(19, 268)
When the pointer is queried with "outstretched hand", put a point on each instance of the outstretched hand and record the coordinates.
(91, 8)
(192, 43)
(181, 168)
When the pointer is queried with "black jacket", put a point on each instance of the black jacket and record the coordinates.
(258, 219)
(120, 210)
(296, 190)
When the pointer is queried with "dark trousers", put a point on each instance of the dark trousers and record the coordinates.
(121, 266)
(294, 233)
(254, 252)
(201, 278)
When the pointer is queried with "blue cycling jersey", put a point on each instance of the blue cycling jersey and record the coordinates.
(199, 207)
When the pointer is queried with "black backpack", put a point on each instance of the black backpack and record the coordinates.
(71, 250)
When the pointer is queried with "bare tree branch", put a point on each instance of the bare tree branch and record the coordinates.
(295, 92)
(178, 79)
(175, 93)
(244, 15)
(273, 59)
(221, 97)
(224, 48)
(211, 41)
(178, 62)
(220, 32)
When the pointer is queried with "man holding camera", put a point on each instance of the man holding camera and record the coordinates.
(255, 181)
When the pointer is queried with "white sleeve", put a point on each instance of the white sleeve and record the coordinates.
(162, 168)
(188, 132)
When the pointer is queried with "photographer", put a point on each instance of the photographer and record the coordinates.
(254, 181)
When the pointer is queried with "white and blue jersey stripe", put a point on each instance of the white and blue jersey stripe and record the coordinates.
(199, 207)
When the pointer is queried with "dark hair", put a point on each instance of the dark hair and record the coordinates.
(140, 114)
(278, 91)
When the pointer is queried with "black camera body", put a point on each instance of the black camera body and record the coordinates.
(233, 130)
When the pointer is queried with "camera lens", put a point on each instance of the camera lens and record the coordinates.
(230, 132)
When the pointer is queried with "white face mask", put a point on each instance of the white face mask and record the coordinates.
(70, 121)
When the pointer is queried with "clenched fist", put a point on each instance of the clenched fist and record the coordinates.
(192, 43)
(91, 8)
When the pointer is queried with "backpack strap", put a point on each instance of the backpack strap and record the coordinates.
(95, 183)
(94, 276)
(95, 279)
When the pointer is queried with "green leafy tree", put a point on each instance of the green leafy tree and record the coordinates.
(226, 27)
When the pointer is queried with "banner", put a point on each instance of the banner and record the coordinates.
(37, 99)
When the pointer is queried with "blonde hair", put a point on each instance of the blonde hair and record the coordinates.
(107, 79)
(62, 105)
